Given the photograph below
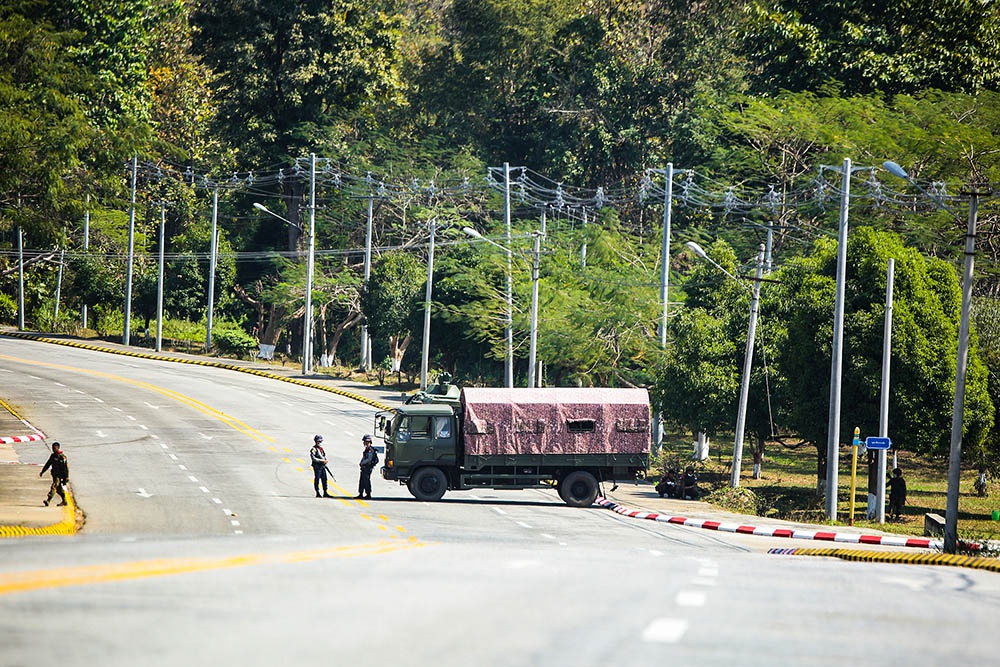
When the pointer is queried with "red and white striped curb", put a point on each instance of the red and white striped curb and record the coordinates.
(7, 439)
(795, 534)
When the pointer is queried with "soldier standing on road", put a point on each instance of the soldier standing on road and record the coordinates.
(318, 457)
(368, 460)
(60, 474)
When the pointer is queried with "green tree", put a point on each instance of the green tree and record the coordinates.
(288, 74)
(986, 458)
(44, 130)
(698, 383)
(925, 326)
(95, 282)
(596, 311)
(889, 47)
(394, 289)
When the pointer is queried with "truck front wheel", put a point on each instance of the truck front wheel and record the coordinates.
(428, 484)
(578, 489)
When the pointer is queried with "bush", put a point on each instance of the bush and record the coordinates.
(8, 309)
(234, 342)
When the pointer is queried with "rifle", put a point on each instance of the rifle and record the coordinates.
(330, 472)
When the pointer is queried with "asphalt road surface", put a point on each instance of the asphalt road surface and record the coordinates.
(205, 545)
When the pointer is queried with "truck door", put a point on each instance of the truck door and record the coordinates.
(421, 444)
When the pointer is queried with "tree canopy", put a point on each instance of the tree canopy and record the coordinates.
(765, 98)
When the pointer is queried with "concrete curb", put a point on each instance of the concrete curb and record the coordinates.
(199, 362)
(795, 534)
(66, 526)
(990, 564)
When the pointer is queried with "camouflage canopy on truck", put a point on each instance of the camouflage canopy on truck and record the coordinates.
(555, 421)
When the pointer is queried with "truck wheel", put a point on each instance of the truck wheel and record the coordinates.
(578, 489)
(428, 484)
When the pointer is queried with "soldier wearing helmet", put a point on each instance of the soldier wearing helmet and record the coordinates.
(369, 459)
(318, 458)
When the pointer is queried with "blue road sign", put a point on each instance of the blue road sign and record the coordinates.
(875, 442)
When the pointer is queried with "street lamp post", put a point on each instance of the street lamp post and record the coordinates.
(741, 415)
(307, 322)
(536, 257)
(958, 407)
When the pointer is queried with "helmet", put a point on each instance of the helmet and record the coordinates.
(366, 438)
(317, 438)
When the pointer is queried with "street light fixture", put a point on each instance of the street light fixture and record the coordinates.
(424, 358)
(533, 344)
(958, 407)
(741, 415)
(260, 207)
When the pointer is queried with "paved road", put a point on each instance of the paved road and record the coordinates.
(204, 545)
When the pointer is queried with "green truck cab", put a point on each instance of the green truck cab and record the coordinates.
(571, 439)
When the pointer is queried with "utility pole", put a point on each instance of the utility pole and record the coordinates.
(509, 287)
(427, 307)
(958, 410)
(366, 362)
(55, 310)
(131, 251)
(307, 322)
(833, 424)
(20, 279)
(159, 280)
(533, 339)
(741, 416)
(86, 246)
(668, 194)
(211, 268)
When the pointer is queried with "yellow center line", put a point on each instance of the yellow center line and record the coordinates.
(232, 422)
(346, 497)
(19, 582)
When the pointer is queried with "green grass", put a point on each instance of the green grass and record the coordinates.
(787, 488)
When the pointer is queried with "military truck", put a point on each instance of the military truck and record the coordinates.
(448, 438)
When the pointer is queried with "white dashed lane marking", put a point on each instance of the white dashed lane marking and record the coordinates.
(691, 599)
(665, 630)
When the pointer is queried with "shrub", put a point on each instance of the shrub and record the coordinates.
(234, 342)
(8, 309)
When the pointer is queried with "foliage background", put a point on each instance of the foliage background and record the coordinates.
(753, 93)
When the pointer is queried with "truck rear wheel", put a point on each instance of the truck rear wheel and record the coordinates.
(428, 484)
(578, 489)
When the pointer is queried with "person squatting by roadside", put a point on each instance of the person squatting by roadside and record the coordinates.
(318, 458)
(369, 459)
(897, 494)
(60, 474)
